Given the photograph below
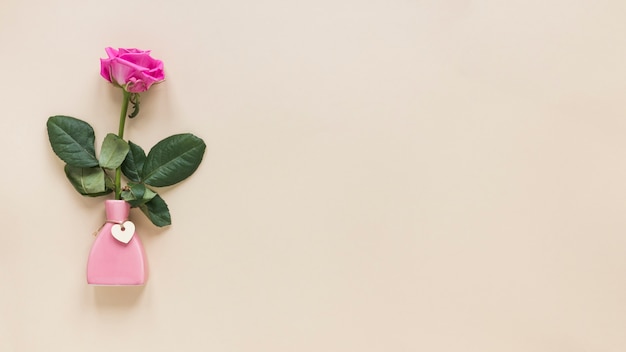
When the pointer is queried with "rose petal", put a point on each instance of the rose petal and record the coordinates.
(138, 59)
(121, 71)
(111, 52)
(133, 50)
(137, 87)
(105, 69)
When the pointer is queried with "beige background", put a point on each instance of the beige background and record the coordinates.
(380, 176)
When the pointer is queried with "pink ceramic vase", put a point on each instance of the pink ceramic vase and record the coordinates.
(112, 262)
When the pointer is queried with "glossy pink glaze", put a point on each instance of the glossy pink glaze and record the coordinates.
(112, 262)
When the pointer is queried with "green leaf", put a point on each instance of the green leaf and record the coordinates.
(109, 182)
(156, 210)
(87, 181)
(173, 159)
(132, 167)
(72, 140)
(113, 151)
(137, 194)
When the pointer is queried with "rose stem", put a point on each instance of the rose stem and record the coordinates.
(120, 133)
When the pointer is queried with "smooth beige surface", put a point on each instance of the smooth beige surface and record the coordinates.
(380, 176)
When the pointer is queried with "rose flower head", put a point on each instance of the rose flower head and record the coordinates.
(132, 69)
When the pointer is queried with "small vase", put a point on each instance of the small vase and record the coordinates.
(115, 263)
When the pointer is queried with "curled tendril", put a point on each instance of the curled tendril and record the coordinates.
(134, 99)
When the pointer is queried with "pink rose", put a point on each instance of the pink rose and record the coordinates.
(132, 69)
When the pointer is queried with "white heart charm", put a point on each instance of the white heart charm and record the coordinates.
(124, 232)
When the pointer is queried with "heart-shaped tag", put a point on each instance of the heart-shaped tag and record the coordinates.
(124, 232)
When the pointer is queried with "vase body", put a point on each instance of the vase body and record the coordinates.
(114, 263)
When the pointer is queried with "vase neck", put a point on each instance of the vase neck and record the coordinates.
(116, 210)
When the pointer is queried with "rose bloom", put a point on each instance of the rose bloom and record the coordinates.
(132, 69)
